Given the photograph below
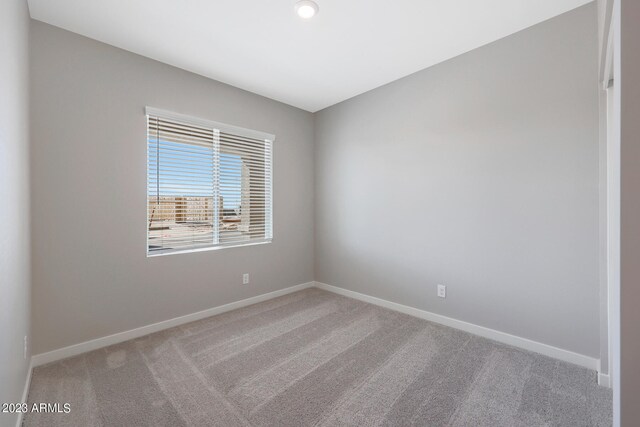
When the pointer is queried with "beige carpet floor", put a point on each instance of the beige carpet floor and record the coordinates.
(313, 358)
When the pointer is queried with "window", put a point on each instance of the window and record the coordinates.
(208, 184)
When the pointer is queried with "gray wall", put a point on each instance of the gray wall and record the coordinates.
(91, 274)
(14, 201)
(628, 79)
(480, 173)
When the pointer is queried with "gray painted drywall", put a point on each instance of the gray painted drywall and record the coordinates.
(628, 81)
(15, 286)
(480, 173)
(91, 274)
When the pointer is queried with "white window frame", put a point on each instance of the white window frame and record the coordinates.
(217, 127)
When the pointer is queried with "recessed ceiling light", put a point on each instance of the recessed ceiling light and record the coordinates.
(306, 9)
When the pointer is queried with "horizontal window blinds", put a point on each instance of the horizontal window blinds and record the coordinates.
(209, 185)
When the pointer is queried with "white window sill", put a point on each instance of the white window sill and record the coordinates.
(206, 248)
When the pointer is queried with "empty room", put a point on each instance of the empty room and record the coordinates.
(319, 213)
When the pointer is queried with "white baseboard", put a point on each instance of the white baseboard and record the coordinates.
(25, 392)
(492, 334)
(74, 350)
(505, 338)
(604, 380)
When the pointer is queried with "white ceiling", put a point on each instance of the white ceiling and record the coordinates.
(262, 46)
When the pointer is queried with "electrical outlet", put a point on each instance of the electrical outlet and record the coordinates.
(442, 291)
(245, 279)
(24, 351)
